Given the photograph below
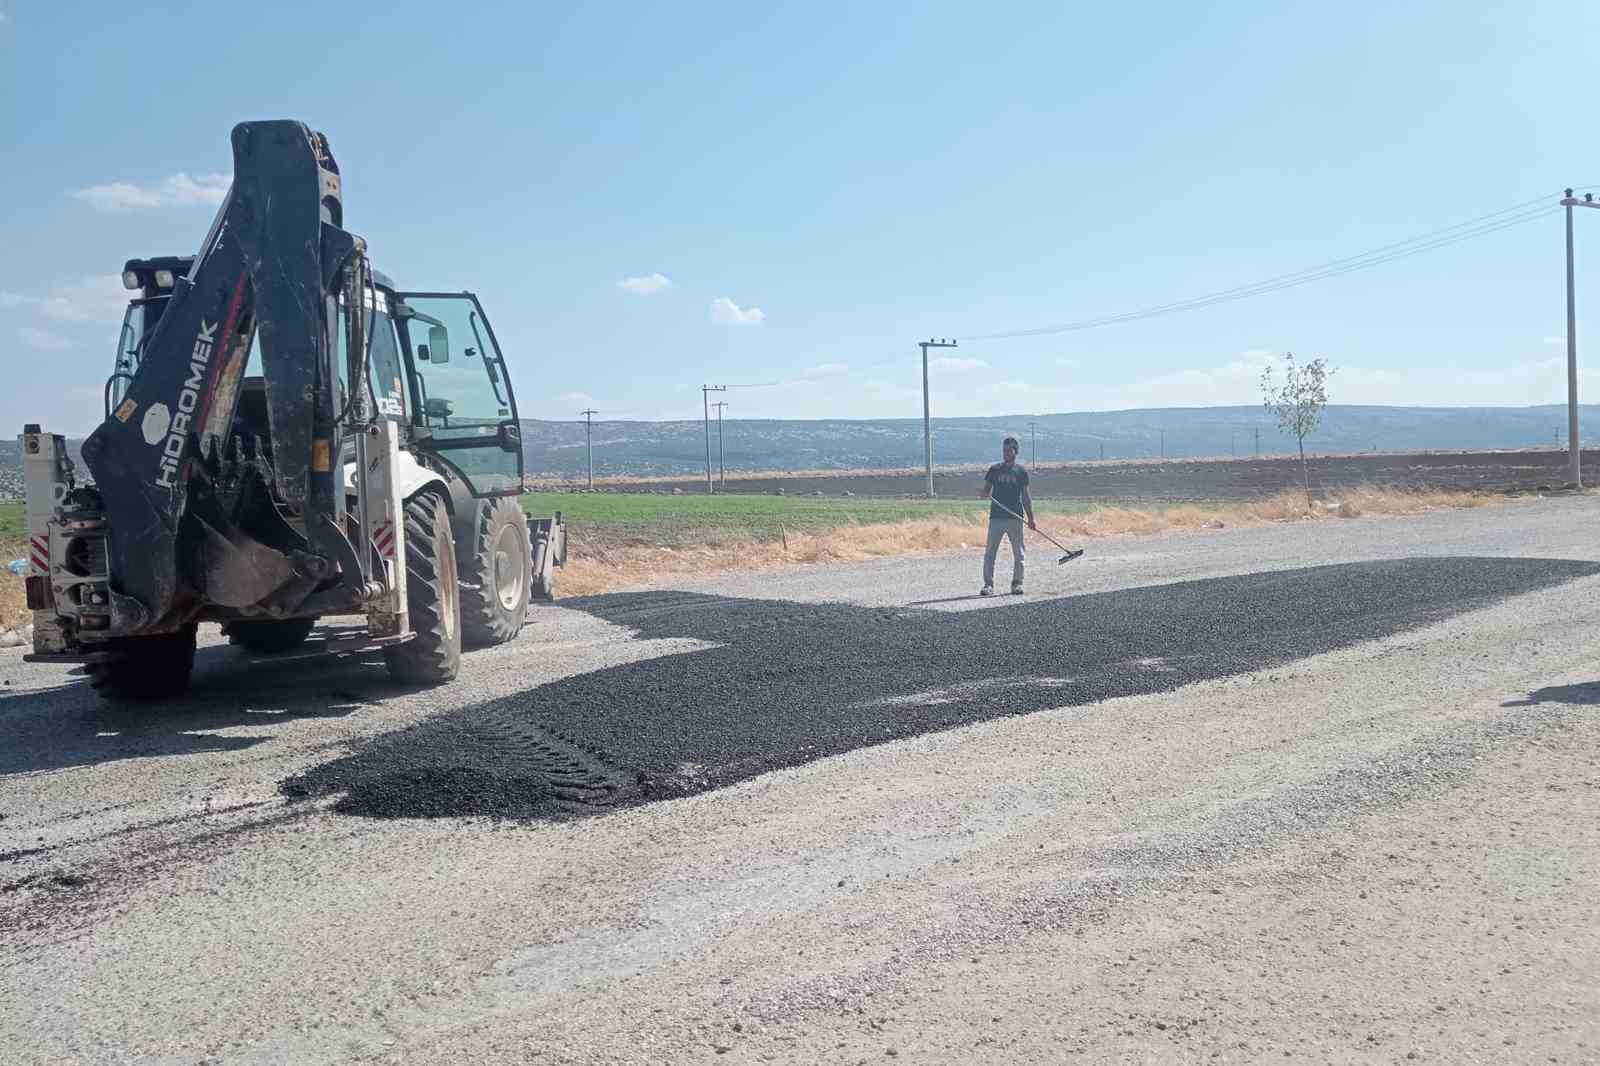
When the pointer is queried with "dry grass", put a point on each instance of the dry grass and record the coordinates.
(605, 565)
(13, 599)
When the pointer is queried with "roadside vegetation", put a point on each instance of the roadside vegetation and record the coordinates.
(616, 540)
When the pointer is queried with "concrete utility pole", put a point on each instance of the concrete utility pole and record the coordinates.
(1033, 438)
(1574, 438)
(588, 439)
(705, 402)
(1258, 442)
(722, 470)
(927, 425)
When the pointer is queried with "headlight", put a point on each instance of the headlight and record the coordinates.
(164, 279)
(130, 280)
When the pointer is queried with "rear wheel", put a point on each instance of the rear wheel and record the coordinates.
(495, 611)
(145, 669)
(270, 636)
(433, 597)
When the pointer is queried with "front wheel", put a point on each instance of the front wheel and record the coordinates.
(433, 597)
(493, 613)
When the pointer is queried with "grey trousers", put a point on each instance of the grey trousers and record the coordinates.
(998, 528)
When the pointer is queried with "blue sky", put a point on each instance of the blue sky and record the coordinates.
(652, 197)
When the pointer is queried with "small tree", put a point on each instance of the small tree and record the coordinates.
(1298, 403)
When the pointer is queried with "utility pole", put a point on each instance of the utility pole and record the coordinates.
(1033, 439)
(927, 425)
(1102, 449)
(722, 471)
(1574, 438)
(588, 440)
(705, 403)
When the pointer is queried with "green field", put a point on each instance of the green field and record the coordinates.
(13, 524)
(681, 520)
(673, 521)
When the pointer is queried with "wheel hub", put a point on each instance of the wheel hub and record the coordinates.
(507, 568)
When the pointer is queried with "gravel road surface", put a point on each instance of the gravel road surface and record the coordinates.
(1324, 792)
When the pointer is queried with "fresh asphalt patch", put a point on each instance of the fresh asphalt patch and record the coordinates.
(789, 683)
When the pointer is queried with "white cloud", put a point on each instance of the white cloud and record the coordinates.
(1228, 374)
(90, 299)
(957, 363)
(825, 370)
(645, 284)
(178, 190)
(42, 339)
(575, 399)
(99, 296)
(728, 313)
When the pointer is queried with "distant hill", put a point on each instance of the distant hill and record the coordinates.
(555, 450)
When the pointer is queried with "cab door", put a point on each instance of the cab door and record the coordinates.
(462, 403)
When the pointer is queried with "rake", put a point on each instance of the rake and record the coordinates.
(1072, 553)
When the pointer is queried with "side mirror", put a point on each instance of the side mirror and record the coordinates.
(438, 344)
(509, 437)
(422, 353)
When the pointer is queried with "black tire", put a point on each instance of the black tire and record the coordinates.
(269, 636)
(146, 669)
(433, 597)
(493, 613)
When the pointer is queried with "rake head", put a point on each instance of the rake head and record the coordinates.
(1071, 555)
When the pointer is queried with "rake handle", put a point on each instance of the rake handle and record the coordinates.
(1036, 529)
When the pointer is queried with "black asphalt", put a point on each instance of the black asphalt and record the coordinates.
(794, 682)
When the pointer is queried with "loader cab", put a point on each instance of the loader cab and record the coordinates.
(151, 281)
(462, 407)
(434, 366)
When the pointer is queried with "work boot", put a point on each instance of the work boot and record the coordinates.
(1016, 588)
(987, 590)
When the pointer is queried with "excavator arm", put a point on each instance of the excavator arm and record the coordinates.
(272, 266)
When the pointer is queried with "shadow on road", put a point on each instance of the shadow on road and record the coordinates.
(72, 726)
(1585, 694)
(789, 683)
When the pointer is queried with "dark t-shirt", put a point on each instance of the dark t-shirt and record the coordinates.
(1007, 483)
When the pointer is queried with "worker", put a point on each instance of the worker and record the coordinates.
(1005, 486)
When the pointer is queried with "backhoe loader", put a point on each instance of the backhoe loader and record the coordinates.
(287, 436)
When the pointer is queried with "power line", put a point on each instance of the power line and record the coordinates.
(1494, 221)
(1482, 225)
